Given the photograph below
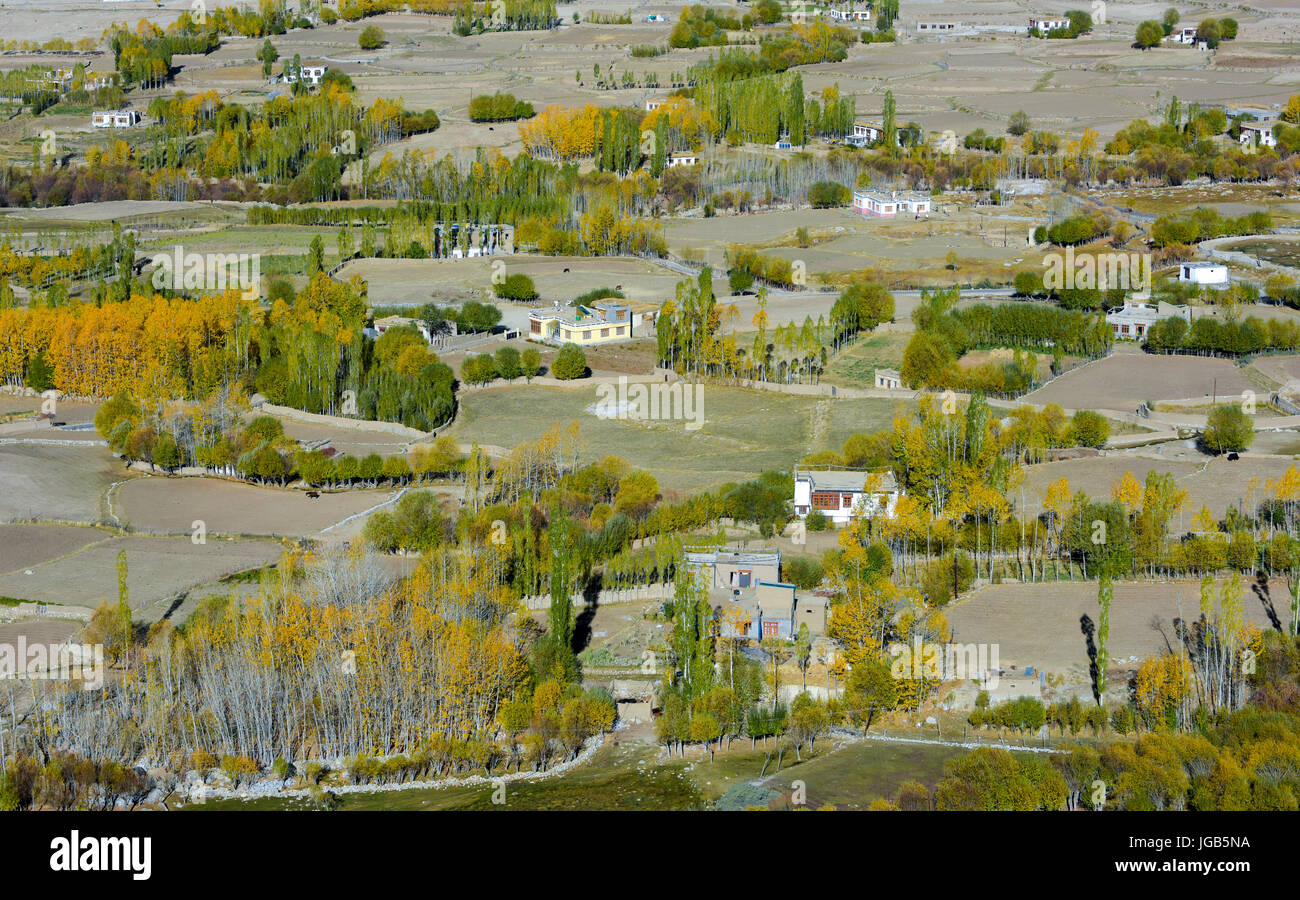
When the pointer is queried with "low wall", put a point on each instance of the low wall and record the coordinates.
(641, 594)
(298, 415)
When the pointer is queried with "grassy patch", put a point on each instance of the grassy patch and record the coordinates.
(745, 431)
(630, 776)
(856, 366)
(1275, 250)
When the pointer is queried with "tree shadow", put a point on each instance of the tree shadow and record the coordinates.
(1260, 589)
(1089, 630)
(582, 624)
(175, 604)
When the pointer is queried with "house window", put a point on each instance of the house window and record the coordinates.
(619, 331)
(535, 326)
(604, 332)
(825, 500)
(846, 500)
(770, 629)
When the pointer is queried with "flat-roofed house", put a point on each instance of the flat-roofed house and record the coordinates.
(889, 379)
(1046, 25)
(936, 27)
(1207, 274)
(1134, 319)
(1259, 134)
(886, 204)
(312, 75)
(682, 158)
(866, 131)
(747, 596)
(850, 15)
(843, 495)
(732, 569)
(114, 118)
(603, 321)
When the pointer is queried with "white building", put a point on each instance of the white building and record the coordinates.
(120, 118)
(841, 495)
(654, 103)
(1259, 134)
(311, 75)
(936, 27)
(887, 204)
(1046, 25)
(867, 131)
(850, 15)
(1131, 321)
(60, 79)
(681, 158)
(1184, 35)
(889, 379)
(1204, 274)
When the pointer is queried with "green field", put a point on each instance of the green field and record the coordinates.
(856, 365)
(627, 777)
(1278, 250)
(745, 431)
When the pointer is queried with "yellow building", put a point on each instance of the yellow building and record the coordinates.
(600, 323)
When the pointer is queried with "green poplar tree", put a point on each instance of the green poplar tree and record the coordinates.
(1105, 593)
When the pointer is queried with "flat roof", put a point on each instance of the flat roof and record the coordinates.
(843, 479)
(763, 556)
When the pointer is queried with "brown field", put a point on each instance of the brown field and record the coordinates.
(25, 546)
(414, 282)
(73, 412)
(904, 252)
(45, 630)
(1213, 482)
(55, 483)
(1226, 198)
(229, 507)
(960, 83)
(1039, 624)
(158, 567)
(352, 441)
(1124, 381)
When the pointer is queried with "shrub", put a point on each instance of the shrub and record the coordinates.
(937, 582)
(517, 287)
(507, 362)
(498, 108)
(825, 194)
(570, 363)
(371, 38)
(1089, 428)
(1227, 429)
